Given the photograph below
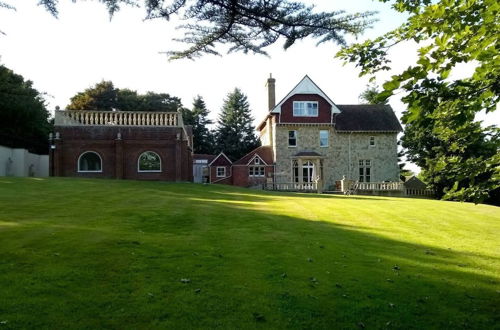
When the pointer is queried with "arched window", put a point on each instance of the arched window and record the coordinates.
(90, 161)
(149, 161)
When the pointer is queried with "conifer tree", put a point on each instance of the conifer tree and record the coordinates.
(197, 117)
(235, 134)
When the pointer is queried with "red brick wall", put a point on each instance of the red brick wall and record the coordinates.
(241, 178)
(119, 157)
(324, 110)
(215, 179)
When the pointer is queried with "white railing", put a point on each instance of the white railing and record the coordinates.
(292, 186)
(116, 118)
(380, 186)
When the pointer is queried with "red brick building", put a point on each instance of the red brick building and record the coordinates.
(121, 145)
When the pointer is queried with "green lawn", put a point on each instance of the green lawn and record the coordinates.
(78, 253)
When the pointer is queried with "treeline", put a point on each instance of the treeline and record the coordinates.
(234, 132)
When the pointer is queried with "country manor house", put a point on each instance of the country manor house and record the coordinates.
(306, 138)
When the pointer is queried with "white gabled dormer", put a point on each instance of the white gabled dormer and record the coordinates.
(306, 86)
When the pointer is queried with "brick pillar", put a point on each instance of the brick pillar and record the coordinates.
(57, 155)
(178, 157)
(119, 157)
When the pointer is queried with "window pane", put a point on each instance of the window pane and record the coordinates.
(361, 162)
(149, 161)
(368, 162)
(292, 138)
(90, 161)
(323, 138)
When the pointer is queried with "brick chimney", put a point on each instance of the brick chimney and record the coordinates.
(271, 94)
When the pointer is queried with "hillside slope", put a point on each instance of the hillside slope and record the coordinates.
(78, 253)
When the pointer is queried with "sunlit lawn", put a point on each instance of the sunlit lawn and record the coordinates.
(78, 253)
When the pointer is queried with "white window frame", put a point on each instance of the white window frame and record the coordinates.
(296, 138)
(217, 171)
(364, 164)
(201, 161)
(303, 110)
(92, 152)
(372, 139)
(147, 171)
(327, 138)
(257, 171)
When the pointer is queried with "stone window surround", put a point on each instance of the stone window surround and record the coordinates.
(223, 174)
(295, 138)
(327, 138)
(87, 171)
(147, 171)
(372, 141)
(363, 165)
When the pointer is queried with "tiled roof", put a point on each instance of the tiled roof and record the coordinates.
(204, 156)
(264, 152)
(367, 118)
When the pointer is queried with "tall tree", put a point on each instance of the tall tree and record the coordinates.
(460, 158)
(235, 133)
(104, 96)
(244, 25)
(23, 116)
(197, 117)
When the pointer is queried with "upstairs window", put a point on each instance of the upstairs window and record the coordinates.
(292, 138)
(365, 170)
(256, 161)
(323, 138)
(372, 141)
(221, 171)
(149, 161)
(89, 161)
(305, 109)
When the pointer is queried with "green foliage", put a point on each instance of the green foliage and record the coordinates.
(104, 96)
(459, 157)
(235, 133)
(110, 254)
(244, 25)
(371, 96)
(197, 117)
(23, 116)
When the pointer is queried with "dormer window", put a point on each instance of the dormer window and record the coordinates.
(305, 109)
(256, 161)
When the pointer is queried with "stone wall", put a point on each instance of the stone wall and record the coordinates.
(342, 155)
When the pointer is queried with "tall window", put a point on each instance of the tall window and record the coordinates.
(308, 171)
(295, 171)
(149, 161)
(292, 138)
(323, 138)
(365, 170)
(90, 161)
(221, 171)
(305, 109)
(372, 141)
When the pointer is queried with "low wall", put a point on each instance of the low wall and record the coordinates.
(20, 162)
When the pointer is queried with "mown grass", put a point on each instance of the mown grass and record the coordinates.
(77, 253)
